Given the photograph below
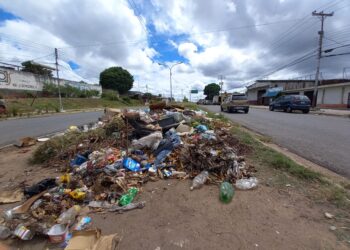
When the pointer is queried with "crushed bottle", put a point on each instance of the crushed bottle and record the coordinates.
(199, 180)
(226, 192)
(246, 184)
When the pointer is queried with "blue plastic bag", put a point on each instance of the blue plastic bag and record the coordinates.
(131, 164)
(202, 128)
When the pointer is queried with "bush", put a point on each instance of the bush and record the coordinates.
(110, 95)
(126, 99)
(14, 111)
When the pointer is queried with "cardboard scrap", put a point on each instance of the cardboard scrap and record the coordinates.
(92, 240)
(25, 142)
(7, 196)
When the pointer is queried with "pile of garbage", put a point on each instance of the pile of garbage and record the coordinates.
(107, 166)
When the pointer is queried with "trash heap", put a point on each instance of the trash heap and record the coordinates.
(106, 165)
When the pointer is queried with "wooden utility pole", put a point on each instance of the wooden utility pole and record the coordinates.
(58, 80)
(321, 33)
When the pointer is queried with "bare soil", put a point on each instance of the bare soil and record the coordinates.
(269, 217)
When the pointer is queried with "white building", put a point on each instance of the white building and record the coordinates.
(332, 93)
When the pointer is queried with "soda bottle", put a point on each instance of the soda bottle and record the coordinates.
(128, 197)
(199, 180)
(226, 192)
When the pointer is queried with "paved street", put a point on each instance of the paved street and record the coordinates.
(15, 129)
(322, 139)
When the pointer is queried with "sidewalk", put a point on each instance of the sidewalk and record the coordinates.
(331, 112)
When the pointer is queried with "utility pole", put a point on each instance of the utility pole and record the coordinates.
(182, 93)
(321, 33)
(58, 80)
(146, 88)
(221, 83)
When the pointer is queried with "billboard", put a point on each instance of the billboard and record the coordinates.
(17, 80)
(194, 91)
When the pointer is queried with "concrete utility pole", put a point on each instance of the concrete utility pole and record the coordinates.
(170, 75)
(58, 80)
(321, 33)
(221, 83)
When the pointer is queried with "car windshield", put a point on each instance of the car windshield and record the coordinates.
(239, 97)
(301, 98)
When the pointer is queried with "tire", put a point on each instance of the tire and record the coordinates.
(246, 111)
(306, 111)
(289, 109)
(271, 108)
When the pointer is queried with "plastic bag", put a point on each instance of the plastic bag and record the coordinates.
(246, 184)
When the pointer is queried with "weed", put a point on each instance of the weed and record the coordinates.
(14, 111)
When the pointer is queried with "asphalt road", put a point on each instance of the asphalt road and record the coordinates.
(11, 130)
(324, 140)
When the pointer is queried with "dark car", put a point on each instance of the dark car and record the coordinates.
(288, 103)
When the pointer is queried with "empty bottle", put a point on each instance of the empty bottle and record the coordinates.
(4, 232)
(128, 197)
(246, 184)
(68, 217)
(199, 180)
(226, 192)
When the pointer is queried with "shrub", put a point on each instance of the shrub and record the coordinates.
(110, 95)
(126, 99)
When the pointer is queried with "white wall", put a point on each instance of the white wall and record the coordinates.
(252, 95)
(19, 80)
(346, 94)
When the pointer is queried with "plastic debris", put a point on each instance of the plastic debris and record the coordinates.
(127, 207)
(226, 192)
(82, 224)
(40, 186)
(199, 180)
(150, 141)
(131, 164)
(5, 232)
(246, 184)
(128, 198)
(68, 217)
(328, 215)
(202, 128)
(58, 233)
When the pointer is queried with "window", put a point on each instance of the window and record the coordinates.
(239, 97)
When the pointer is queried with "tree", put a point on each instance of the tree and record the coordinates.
(116, 78)
(211, 90)
(185, 99)
(29, 66)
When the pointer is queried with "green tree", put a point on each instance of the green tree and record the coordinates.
(29, 66)
(185, 99)
(116, 78)
(211, 90)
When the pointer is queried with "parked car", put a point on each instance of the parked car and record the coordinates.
(2, 106)
(288, 103)
(234, 103)
(200, 101)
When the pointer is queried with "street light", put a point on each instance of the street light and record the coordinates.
(170, 74)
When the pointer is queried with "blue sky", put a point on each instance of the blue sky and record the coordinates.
(206, 35)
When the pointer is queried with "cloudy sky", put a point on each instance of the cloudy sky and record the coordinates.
(242, 40)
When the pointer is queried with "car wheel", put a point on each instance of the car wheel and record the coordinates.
(246, 111)
(289, 110)
(306, 111)
(271, 108)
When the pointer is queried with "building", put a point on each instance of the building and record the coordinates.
(15, 82)
(332, 93)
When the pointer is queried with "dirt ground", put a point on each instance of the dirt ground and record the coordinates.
(175, 217)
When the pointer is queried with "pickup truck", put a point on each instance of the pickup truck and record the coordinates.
(234, 103)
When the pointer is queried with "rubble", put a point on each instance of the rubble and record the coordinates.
(106, 164)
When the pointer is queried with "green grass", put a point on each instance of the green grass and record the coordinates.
(46, 105)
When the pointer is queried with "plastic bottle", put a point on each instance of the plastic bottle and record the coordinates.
(246, 184)
(68, 217)
(4, 232)
(226, 192)
(199, 180)
(128, 197)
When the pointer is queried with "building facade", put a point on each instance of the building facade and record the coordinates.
(332, 93)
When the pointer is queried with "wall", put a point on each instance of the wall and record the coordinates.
(252, 95)
(19, 81)
(332, 97)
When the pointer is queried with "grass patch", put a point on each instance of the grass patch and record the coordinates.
(47, 105)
